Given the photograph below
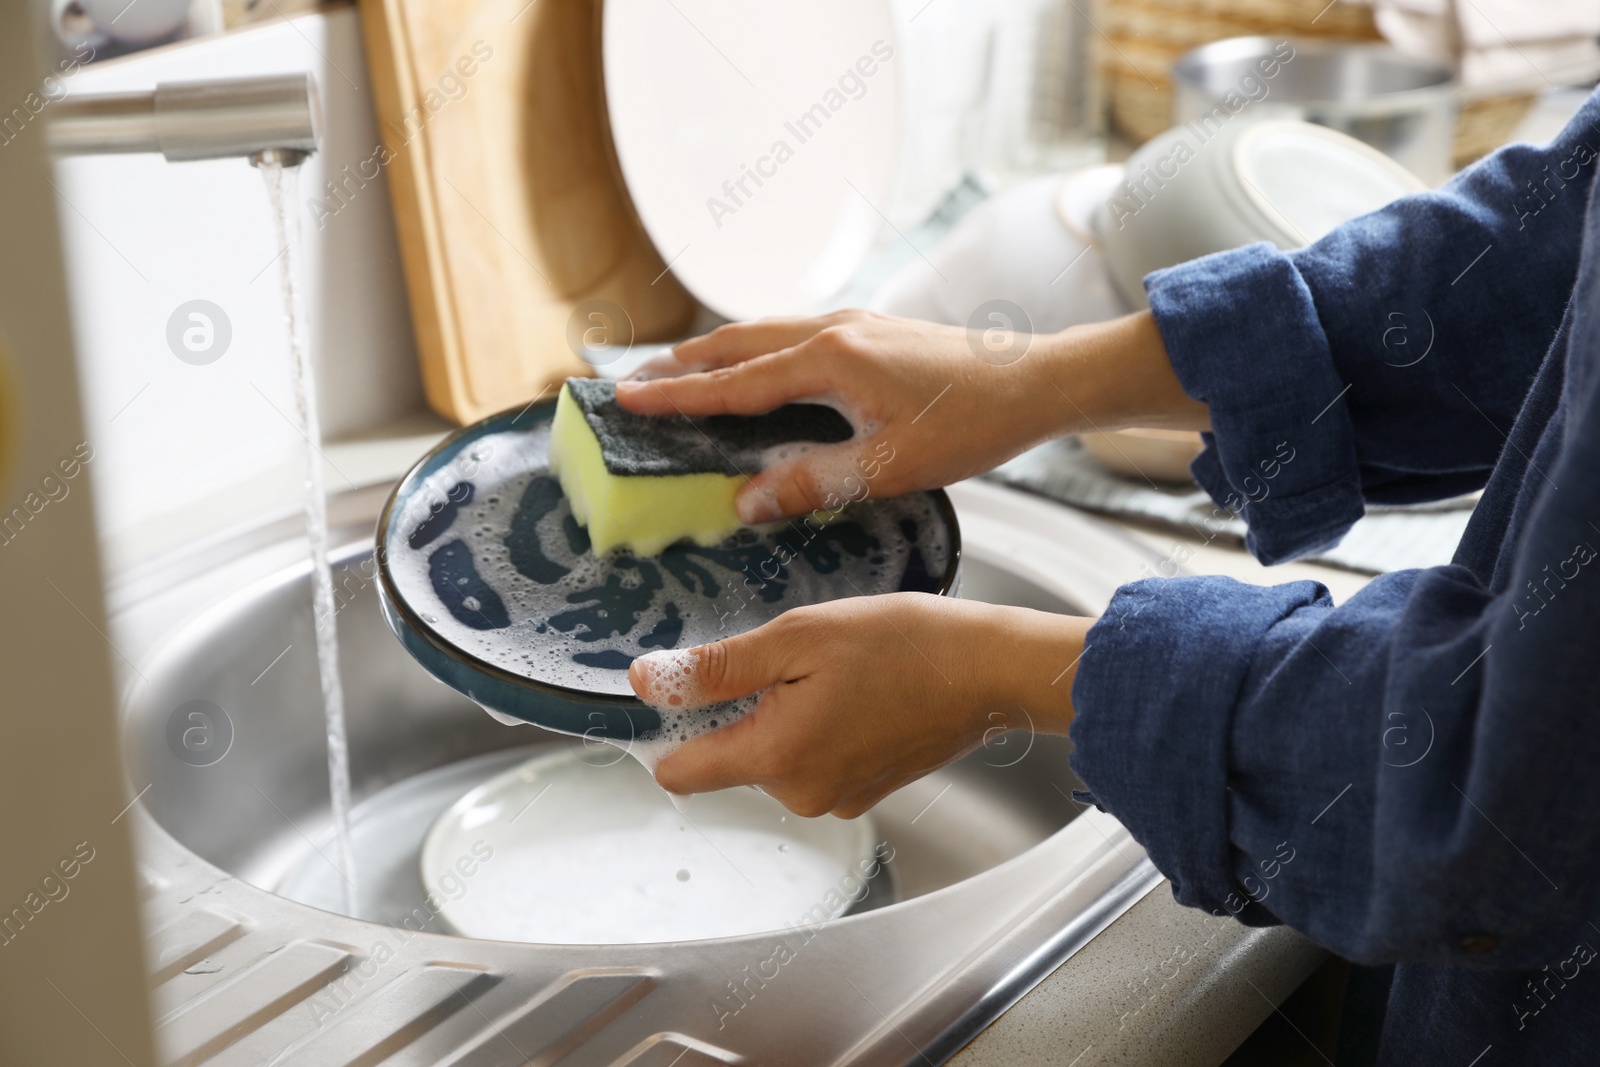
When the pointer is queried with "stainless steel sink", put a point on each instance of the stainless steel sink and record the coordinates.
(998, 875)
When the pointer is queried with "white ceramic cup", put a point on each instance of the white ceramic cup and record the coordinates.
(1192, 191)
(1030, 246)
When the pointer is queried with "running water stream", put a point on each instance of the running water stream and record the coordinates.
(281, 183)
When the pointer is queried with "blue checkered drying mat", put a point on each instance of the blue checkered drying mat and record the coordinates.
(1387, 539)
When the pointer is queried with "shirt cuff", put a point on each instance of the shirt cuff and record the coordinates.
(1154, 696)
(1244, 338)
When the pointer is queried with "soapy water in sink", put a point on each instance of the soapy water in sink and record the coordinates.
(281, 184)
(591, 854)
(489, 554)
(658, 881)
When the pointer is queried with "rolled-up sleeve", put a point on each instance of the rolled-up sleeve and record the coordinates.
(1405, 777)
(1385, 362)
(1408, 776)
(1163, 669)
(1243, 334)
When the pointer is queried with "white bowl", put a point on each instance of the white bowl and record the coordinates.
(1192, 191)
(1154, 455)
(1032, 245)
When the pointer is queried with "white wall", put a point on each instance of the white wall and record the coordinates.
(971, 75)
(184, 450)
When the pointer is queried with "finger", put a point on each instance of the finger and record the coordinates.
(661, 365)
(869, 796)
(739, 341)
(753, 387)
(720, 759)
(708, 674)
(856, 806)
(823, 479)
(806, 799)
(779, 492)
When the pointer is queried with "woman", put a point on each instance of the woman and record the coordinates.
(1228, 725)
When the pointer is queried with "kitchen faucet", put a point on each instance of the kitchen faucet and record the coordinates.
(269, 120)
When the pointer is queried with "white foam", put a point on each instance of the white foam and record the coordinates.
(671, 679)
(650, 754)
(672, 686)
(844, 469)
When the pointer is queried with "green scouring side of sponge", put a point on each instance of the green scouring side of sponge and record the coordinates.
(644, 482)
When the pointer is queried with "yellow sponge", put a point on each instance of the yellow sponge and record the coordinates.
(643, 483)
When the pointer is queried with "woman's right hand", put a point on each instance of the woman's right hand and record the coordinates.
(926, 409)
(931, 404)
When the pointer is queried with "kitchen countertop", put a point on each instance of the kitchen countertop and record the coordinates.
(1163, 986)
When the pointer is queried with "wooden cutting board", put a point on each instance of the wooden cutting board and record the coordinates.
(517, 234)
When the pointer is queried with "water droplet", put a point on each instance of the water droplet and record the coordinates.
(783, 847)
(683, 876)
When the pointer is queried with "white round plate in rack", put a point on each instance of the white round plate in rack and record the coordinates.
(758, 141)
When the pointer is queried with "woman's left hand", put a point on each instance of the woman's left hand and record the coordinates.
(865, 695)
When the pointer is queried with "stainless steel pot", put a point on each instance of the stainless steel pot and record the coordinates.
(1400, 105)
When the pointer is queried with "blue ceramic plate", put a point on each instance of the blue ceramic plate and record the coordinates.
(488, 580)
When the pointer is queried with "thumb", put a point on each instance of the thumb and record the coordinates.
(802, 484)
(708, 674)
(781, 491)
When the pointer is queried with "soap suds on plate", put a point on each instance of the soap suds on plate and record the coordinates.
(673, 688)
(490, 556)
(504, 571)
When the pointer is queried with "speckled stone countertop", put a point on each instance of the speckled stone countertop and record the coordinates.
(1163, 986)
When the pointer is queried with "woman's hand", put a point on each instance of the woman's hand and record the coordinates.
(867, 694)
(926, 410)
(931, 404)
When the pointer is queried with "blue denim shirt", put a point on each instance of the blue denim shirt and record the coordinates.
(1411, 778)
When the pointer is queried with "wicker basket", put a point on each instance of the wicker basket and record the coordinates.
(1143, 38)
(1486, 124)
